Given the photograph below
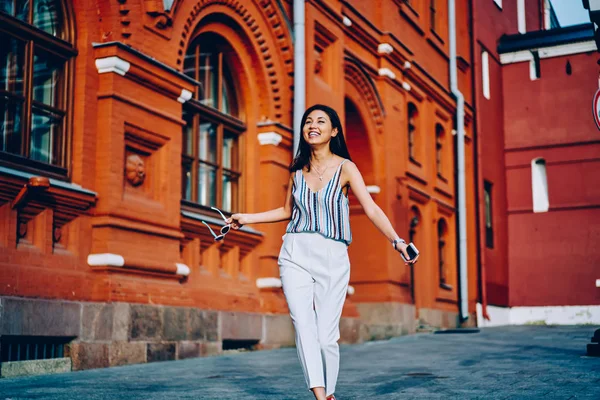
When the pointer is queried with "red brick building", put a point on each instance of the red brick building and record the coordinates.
(123, 122)
(538, 153)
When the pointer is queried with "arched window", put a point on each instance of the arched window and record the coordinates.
(211, 156)
(439, 148)
(35, 69)
(442, 250)
(413, 115)
(539, 185)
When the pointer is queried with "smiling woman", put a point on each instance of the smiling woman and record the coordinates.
(313, 262)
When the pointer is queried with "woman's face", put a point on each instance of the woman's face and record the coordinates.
(317, 128)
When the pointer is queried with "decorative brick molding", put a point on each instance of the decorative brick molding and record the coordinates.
(109, 260)
(282, 39)
(358, 77)
(387, 73)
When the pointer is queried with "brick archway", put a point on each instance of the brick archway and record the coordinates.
(270, 40)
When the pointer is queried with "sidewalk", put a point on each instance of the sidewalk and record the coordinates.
(531, 362)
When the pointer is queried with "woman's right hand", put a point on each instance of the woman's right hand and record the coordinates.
(238, 220)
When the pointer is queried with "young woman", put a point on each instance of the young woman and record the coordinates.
(313, 261)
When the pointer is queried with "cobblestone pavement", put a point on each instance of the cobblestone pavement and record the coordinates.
(530, 362)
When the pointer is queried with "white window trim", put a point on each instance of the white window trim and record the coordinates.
(547, 21)
(485, 74)
(521, 16)
(539, 185)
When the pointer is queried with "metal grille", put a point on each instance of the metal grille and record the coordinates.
(23, 348)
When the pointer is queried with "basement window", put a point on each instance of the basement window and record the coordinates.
(25, 348)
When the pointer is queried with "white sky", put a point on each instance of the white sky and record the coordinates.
(570, 12)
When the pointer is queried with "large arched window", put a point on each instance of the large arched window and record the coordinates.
(35, 68)
(211, 137)
(413, 115)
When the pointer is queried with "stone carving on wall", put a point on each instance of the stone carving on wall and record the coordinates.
(135, 170)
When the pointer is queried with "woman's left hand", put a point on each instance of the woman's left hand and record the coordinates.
(401, 248)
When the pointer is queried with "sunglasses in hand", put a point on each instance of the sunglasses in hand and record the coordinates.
(224, 229)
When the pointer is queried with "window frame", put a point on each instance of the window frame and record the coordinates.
(488, 212)
(413, 131)
(203, 113)
(62, 47)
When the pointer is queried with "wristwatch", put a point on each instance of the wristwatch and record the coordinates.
(396, 241)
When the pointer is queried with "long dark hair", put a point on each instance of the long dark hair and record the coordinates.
(337, 145)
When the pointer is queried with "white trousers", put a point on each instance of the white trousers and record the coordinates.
(315, 272)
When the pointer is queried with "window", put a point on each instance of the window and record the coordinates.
(489, 225)
(211, 136)
(413, 116)
(439, 155)
(521, 16)
(498, 3)
(535, 71)
(485, 74)
(442, 234)
(35, 63)
(539, 186)
(433, 15)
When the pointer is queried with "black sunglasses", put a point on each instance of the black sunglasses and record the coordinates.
(224, 229)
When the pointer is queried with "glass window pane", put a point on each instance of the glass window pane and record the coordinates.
(230, 184)
(47, 78)
(45, 136)
(186, 181)
(230, 151)
(12, 59)
(10, 125)
(228, 98)
(189, 63)
(208, 79)
(207, 142)
(207, 185)
(46, 16)
(188, 134)
(18, 8)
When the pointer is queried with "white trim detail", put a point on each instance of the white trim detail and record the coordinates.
(549, 52)
(268, 283)
(387, 72)
(597, 282)
(521, 20)
(182, 269)
(112, 64)
(185, 96)
(385, 48)
(269, 138)
(550, 315)
(485, 74)
(539, 185)
(373, 189)
(406, 86)
(105, 260)
(407, 65)
(346, 21)
(350, 290)
(498, 3)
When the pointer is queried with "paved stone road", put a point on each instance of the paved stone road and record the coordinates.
(532, 362)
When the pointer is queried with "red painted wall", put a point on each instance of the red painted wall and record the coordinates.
(554, 257)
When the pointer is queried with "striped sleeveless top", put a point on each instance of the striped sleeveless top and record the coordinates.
(325, 211)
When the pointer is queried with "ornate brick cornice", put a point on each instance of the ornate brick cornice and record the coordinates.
(281, 36)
